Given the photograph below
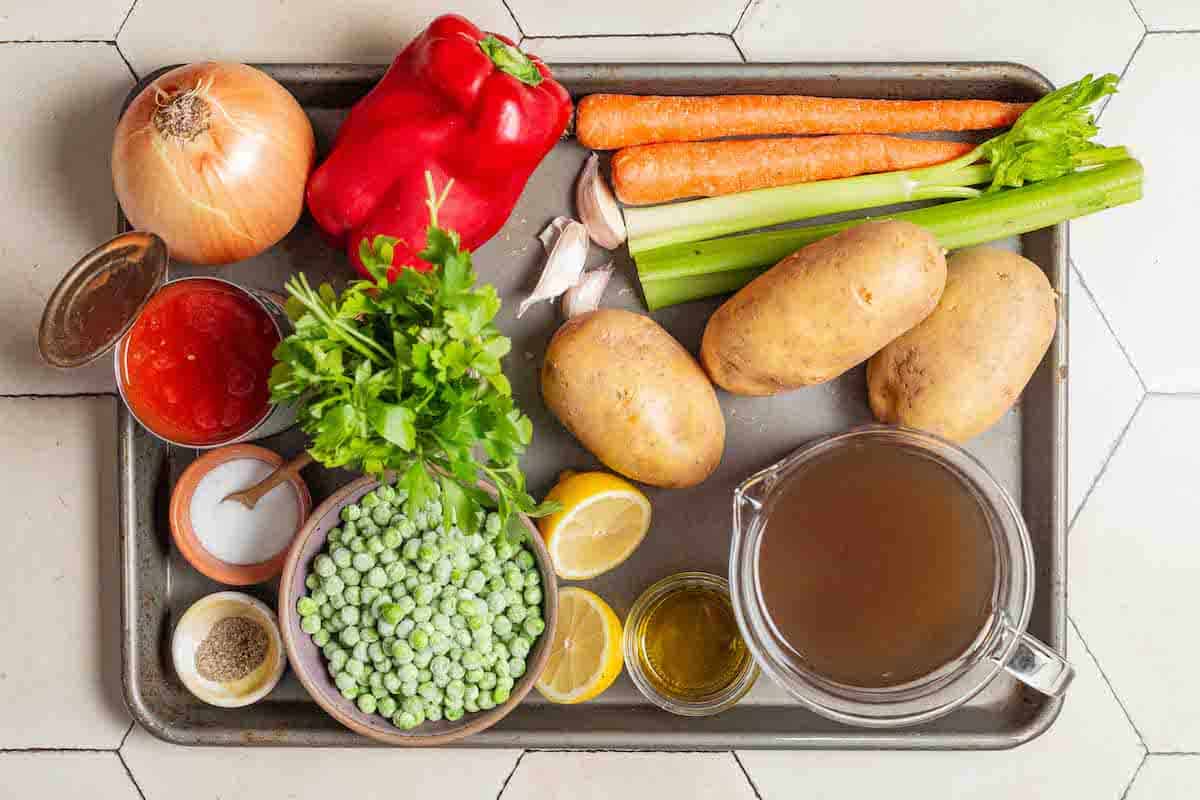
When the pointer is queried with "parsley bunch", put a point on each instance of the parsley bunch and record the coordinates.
(404, 375)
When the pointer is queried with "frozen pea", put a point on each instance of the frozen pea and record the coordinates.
(458, 576)
(512, 597)
(321, 638)
(351, 693)
(351, 513)
(367, 703)
(333, 585)
(442, 570)
(402, 652)
(408, 688)
(515, 579)
(487, 553)
(455, 688)
(500, 694)
(310, 624)
(471, 694)
(501, 650)
(388, 557)
(424, 594)
(422, 658)
(433, 711)
(368, 595)
(384, 664)
(349, 637)
(440, 679)
(488, 681)
(463, 638)
(342, 557)
(387, 706)
(377, 577)
(375, 651)
(422, 613)
(505, 550)
(410, 549)
(441, 622)
(337, 601)
(485, 701)
(440, 664)
(353, 595)
(350, 576)
(484, 645)
(454, 714)
(534, 627)
(324, 566)
(312, 582)
(386, 492)
(369, 500)
(382, 514)
(525, 559)
(502, 627)
(359, 651)
(391, 682)
(500, 668)
(407, 672)
(533, 579)
(456, 671)
(344, 681)
(472, 659)
(405, 627)
(533, 595)
(427, 552)
(516, 613)
(497, 602)
(448, 605)
(405, 720)
(474, 544)
(391, 613)
(496, 585)
(407, 605)
(333, 652)
(326, 610)
(355, 668)
(492, 523)
(369, 634)
(491, 569)
(363, 562)
(475, 580)
(375, 545)
(470, 706)
(396, 573)
(375, 680)
(418, 640)
(505, 682)
(440, 643)
(424, 676)
(421, 520)
(306, 606)
(386, 629)
(357, 546)
(519, 646)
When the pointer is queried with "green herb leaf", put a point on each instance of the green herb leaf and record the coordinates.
(404, 374)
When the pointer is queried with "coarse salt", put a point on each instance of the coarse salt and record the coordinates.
(236, 534)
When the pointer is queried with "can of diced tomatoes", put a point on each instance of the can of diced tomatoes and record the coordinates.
(192, 356)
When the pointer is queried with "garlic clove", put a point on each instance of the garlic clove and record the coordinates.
(585, 295)
(598, 207)
(551, 232)
(563, 266)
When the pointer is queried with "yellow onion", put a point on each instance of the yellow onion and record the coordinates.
(213, 158)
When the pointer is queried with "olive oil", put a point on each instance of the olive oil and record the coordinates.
(689, 646)
(877, 565)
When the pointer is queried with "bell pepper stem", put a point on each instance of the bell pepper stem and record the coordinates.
(510, 60)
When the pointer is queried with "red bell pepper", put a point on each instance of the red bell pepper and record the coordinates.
(459, 103)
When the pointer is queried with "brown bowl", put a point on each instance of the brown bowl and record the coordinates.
(181, 517)
(308, 661)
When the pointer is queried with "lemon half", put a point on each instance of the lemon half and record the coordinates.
(603, 521)
(585, 656)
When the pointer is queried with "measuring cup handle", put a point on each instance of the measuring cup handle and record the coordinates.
(1036, 665)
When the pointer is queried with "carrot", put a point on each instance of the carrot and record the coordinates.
(656, 173)
(611, 121)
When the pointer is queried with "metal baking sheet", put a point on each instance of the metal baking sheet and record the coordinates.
(692, 527)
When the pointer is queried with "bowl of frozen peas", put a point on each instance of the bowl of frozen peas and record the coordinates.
(408, 630)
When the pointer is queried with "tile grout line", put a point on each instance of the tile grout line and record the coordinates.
(13, 750)
(521, 36)
(511, 772)
(1113, 331)
(1108, 683)
(129, 772)
(51, 396)
(1184, 753)
(128, 66)
(675, 35)
(738, 47)
(1133, 778)
(1173, 31)
(742, 18)
(129, 13)
(126, 736)
(746, 772)
(58, 41)
(1112, 451)
(1121, 78)
(1138, 14)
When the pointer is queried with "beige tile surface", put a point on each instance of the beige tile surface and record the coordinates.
(1168, 15)
(616, 17)
(659, 49)
(61, 19)
(1134, 556)
(59, 578)
(298, 30)
(60, 103)
(1139, 260)
(629, 776)
(168, 772)
(1167, 778)
(1061, 39)
(1102, 392)
(1089, 753)
(64, 776)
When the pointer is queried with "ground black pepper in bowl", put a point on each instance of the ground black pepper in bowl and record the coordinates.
(233, 648)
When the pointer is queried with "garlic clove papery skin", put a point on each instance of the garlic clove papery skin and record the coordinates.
(551, 232)
(598, 208)
(563, 268)
(585, 295)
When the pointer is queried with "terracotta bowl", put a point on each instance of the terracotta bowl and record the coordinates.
(181, 517)
(309, 663)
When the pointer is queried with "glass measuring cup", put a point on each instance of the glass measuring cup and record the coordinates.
(1001, 645)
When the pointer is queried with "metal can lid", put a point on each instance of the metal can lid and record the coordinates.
(100, 297)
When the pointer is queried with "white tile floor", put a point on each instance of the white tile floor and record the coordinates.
(1131, 719)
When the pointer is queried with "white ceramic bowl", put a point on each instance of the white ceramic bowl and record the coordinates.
(195, 624)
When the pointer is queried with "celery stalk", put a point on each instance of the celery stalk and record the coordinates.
(683, 272)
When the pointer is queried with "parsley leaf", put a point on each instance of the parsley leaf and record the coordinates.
(404, 375)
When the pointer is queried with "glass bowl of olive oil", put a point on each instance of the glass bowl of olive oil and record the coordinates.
(683, 649)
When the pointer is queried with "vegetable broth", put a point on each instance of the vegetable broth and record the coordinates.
(877, 565)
